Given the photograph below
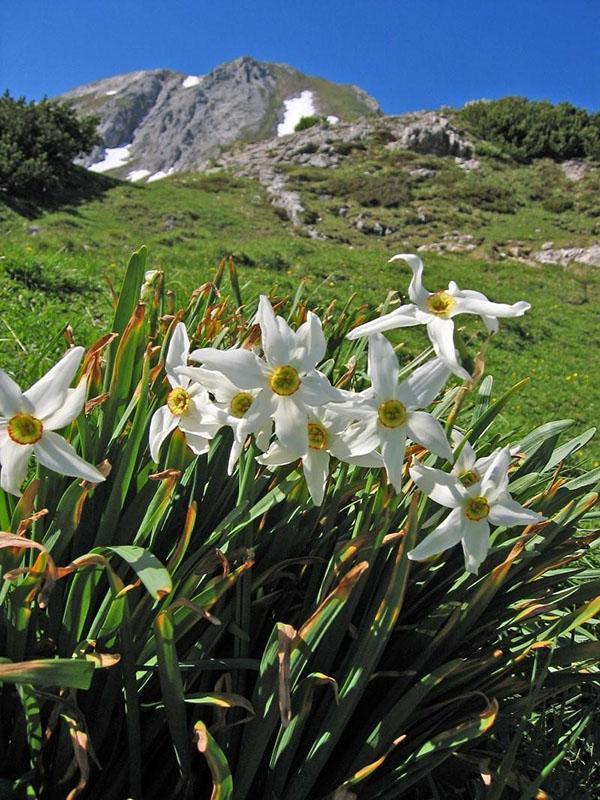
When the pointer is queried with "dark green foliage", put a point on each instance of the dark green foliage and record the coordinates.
(485, 196)
(389, 190)
(310, 122)
(38, 142)
(528, 129)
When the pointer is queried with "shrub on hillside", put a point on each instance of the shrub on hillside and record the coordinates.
(529, 129)
(388, 190)
(38, 142)
(310, 122)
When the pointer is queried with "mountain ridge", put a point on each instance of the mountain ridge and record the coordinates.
(158, 122)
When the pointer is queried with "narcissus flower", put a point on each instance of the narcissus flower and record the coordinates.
(188, 406)
(28, 421)
(230, 408)
(287, 378)
(474, 508)
(389, 412)
(436, 310)
(328, 435)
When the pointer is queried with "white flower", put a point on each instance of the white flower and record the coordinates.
(389, 411)
(287, 380)
(28, 421)
(188, 406)
(474, 506)
(436, 310)
(231, 408)
(468, 468)
(328, 435)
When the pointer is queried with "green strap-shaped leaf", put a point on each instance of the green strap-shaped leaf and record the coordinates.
(217, 763)
(73, 673)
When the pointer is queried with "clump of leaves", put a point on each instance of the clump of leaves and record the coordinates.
(176, 631)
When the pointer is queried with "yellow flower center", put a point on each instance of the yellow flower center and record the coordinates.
(285, 380)
(440, 304)
(477, 508)
(240, 404)
(318, 437)
(178, 401)
(469, 478)
(25, 429)
(392, 413)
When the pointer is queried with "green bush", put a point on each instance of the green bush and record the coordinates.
(309, 122)
(486, 196)
(529, 129)
(388, 190)
(38, 142)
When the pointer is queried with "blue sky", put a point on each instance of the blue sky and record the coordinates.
(409, 54)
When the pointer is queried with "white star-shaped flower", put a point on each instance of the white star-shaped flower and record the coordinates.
(474, 507)
(188, 406)
(436, 310)
(390, 412)
(328, 435)
(286, 379)
(28, 421)
(230, 408)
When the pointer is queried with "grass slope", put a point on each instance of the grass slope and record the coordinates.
(53, 267)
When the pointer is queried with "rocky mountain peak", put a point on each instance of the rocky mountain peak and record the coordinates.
(157, 122)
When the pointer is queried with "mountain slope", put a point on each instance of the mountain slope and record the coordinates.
(159, 122)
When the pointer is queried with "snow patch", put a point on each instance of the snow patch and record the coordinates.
(114, 157)
(191, 80)
(138, 174)
(294, 109)
(160, 175)
(110, 94)
(332, 119)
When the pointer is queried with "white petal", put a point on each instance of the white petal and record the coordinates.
(383, 366)
(448, 533)
(311, 340)
(363, 437)
(222, 388)
(53, 452)
(177, 354)
(234, 454)
(241, 366)
(259, 415)
(161, 425)
(467, 457)
(476, 544)
(340, 449)
(443, 488)
(315, 465)
(441, 333)
(495, 480)
(506, 511)
(316, 389)
(70, 409)
(277, 455)
(197, 444)
(13, 458)
(426, 430)
(48, 394)
(11, 398)
(417, 293)
(392, 450)
(263, 436)
(422, 387)
(491, 323)
(403, 317)
(291, 424)
(198, 418)
(278, 341)
(467, 304)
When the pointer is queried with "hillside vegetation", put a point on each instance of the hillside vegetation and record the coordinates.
(55, 263)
